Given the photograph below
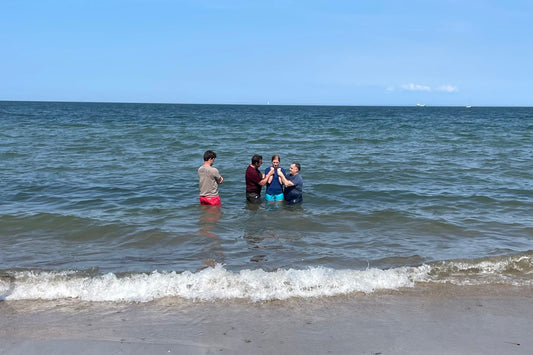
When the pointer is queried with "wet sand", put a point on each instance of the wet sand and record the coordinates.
(440, 320)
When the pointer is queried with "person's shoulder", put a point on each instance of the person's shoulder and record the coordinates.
(207, 168)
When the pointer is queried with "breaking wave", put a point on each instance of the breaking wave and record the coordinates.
(219, 283)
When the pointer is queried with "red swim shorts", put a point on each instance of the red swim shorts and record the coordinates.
(210, 200)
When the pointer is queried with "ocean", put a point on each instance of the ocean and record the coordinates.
(99, 201)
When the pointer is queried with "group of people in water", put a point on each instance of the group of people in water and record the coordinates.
(280, 186)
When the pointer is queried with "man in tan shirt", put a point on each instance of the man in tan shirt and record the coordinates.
(210, 178)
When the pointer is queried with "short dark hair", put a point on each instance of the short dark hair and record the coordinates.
(256, 159)
(297, 165)
(209, 154)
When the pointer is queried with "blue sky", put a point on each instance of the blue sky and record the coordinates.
(375, 52)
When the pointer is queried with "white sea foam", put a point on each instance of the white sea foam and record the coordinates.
(257, 285)
(209, 284)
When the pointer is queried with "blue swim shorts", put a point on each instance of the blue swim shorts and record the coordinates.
(278, 197)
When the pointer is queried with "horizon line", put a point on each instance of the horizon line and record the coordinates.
(264, 104)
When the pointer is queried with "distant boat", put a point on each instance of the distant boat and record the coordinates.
(468, 106)
(421, 105)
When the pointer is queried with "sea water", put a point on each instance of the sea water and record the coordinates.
(99, 201)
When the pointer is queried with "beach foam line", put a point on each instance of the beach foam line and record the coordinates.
(258, 285)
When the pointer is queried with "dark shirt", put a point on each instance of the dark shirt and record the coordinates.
(253, 177)
(274, 188)
(293, 194)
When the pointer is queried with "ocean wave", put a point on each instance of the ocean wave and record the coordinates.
(219, 283)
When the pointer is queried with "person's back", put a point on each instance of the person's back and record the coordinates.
(209, 179)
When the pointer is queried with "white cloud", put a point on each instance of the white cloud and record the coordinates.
(416, 87)
(447, 88)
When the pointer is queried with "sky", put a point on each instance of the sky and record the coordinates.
(374, 52)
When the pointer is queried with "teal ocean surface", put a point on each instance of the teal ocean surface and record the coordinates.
(99, 201)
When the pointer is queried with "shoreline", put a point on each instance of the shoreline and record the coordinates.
(439, 319)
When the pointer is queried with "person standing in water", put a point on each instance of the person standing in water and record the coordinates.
(255, 180)
(210, 178)
(293, 184)
(274, 191)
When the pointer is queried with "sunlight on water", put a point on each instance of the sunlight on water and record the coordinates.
(114, 187)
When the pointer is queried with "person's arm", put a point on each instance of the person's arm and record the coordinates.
(279, 178)
(267, 176)
(218, 178)
(270, 178)
(285, 181)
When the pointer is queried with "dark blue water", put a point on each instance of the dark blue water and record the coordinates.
(113, 188)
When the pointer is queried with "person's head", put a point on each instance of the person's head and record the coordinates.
(208, 155)
(295, 168)
(257, 160)
(275, 161)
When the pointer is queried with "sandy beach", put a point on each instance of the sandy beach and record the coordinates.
(440, 320)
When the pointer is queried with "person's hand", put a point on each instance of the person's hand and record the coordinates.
(279, 171)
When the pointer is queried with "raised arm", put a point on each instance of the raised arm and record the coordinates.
(266, 177)
(284, 179)
(271, 177)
